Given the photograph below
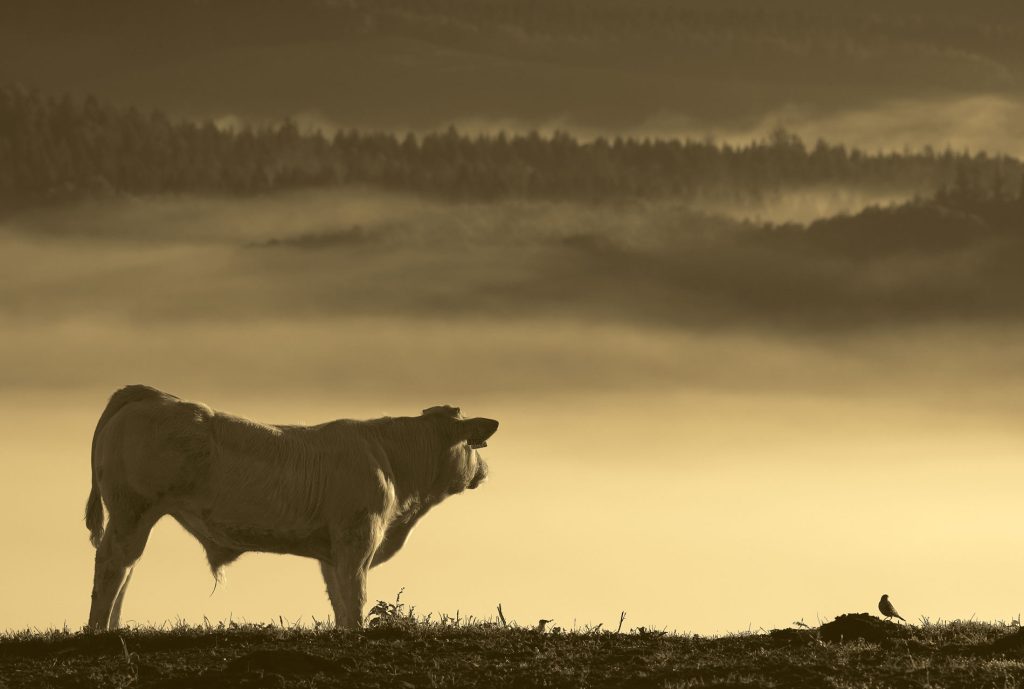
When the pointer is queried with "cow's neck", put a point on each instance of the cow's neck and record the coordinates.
(412, 462)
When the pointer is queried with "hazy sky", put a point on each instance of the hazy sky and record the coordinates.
(701, 478)
(710, 426)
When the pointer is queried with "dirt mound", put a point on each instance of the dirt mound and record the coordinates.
(860, 625)
(793, 636)
(1011, 643)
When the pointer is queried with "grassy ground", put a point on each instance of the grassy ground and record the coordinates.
(398, 650)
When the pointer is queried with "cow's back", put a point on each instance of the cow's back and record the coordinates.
(304, 471)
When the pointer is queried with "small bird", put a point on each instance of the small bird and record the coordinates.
(542, 625)
(887, 609)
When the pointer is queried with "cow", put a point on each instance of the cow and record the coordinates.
(345, 492)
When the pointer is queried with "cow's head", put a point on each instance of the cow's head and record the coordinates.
(461, 465)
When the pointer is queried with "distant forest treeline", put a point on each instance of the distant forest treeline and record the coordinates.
(55, 147)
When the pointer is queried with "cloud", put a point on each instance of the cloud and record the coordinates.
(352, 236)
(985, 122)
(991, 122)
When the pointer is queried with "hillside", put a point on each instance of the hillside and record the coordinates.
(408, 653)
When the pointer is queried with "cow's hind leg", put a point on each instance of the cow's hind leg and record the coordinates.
(122, 544)
(115, 612)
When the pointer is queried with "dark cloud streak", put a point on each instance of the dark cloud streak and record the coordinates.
(716, 64)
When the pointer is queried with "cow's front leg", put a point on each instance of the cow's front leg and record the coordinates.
(333, 593)
(350, 599)
(353, 551)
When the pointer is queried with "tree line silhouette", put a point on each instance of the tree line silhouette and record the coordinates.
(52, 148)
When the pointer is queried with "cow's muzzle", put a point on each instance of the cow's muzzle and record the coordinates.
(480, 476)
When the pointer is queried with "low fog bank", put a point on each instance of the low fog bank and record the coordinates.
(990, 122)
(386, 296)
(356, 255)
(802, 206)
(454, 359)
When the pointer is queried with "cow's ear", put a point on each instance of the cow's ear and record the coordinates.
(444, 410)
(477, 431)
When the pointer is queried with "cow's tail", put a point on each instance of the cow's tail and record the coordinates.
(94, 506)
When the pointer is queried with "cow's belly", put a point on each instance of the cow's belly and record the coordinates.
(219, 535)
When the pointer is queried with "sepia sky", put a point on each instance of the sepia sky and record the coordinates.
(708, 423)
